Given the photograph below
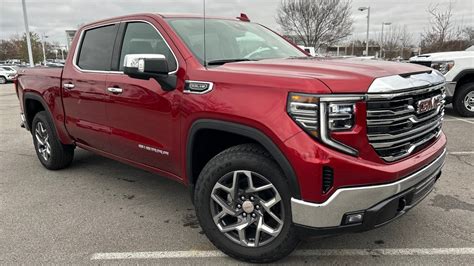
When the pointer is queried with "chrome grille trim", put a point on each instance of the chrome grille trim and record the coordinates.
(395, 129)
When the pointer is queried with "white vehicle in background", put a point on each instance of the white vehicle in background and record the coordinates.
(310, 50)
(7, 73)
(458, 68)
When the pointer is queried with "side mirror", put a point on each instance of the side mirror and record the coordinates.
(146, 66)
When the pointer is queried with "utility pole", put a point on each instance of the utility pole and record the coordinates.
(382, 40)
(28, 40)
(368, 28)
(44, 51)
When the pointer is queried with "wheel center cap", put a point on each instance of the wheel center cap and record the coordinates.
(247, 206)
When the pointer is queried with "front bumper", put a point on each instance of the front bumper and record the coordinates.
(379, 204)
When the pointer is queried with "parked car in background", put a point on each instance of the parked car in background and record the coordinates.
(7, 73)
(273, 144)
(458, 68)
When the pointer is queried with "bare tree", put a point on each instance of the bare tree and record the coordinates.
(443, 34)
(316, 22)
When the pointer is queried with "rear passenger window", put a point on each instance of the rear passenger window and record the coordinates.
(142, 38)
(96, 48)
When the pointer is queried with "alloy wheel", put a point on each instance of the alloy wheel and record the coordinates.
(247, 208)
(42, 139)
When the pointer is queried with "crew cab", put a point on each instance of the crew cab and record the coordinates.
(273, 144)
(458, 68)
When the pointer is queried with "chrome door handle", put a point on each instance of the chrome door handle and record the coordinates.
(115, 90)
(68, 86)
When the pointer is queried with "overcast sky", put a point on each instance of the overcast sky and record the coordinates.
(53, 17)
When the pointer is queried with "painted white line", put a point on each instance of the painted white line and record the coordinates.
(464, 120)
(461, 152)
(298, 253)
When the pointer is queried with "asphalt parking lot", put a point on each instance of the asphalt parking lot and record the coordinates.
(101, 211)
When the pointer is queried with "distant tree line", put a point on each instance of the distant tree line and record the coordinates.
(325, 23)
(16, 48)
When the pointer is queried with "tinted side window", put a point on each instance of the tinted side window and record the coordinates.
(142, 38)
(96, 48)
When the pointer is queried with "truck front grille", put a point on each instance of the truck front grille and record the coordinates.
(402, 123)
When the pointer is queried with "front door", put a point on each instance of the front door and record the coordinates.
(143, 117)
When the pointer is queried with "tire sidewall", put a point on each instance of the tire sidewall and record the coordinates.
(209, 177)
(3, 80)
(43, 118)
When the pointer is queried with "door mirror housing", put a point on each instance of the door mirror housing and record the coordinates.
(146, 66)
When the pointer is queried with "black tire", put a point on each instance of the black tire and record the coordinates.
(60, 155)
(459, 100)
(253, 158)
(3, 80)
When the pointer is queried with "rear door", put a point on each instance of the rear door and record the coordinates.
(84, 87)
(143, 117)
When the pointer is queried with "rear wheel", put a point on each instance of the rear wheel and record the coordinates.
(3, 80)
(50, 151)
(463, 101)
(243, 204)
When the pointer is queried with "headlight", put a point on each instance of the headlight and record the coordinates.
(443, 66)
(319, 115)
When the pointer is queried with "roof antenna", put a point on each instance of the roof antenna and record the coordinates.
(204, 21)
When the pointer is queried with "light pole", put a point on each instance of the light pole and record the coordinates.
(44, 51)
(368, 23)
(28, 41)
(381, 41)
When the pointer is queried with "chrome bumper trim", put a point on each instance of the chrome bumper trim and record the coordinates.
(344, 200)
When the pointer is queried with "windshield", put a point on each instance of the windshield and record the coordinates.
(228, 40)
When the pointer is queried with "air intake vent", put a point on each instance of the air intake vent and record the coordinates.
(328, 178)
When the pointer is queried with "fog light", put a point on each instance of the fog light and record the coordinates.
(354, 218)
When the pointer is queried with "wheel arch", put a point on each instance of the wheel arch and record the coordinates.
(32, 104)
(247, 132)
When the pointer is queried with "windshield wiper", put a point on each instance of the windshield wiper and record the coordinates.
(225, 61)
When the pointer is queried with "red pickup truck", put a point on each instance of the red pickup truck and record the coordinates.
(273, 144)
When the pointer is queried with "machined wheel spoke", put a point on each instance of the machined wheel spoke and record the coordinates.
(38, 138)
(267, 229)
(225, 207)
(270, 203)
(239, 226)
(258, 231)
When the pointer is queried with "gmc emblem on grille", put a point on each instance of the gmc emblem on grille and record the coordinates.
(427, 105)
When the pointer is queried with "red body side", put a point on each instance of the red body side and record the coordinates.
(248, 93)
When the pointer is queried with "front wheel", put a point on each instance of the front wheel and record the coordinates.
(463, 101)
(243, 205)
(3, 80)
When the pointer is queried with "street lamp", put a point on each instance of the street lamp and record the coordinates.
(44, 51)
(368, 23)
(28, 41)
(382, 41)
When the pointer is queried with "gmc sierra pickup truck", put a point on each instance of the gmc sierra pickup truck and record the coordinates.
(458, 69)
(273, 144)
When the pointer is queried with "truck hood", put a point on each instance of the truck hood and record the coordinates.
(444, 56)
(340, 75)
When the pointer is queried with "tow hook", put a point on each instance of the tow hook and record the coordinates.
(402, 203)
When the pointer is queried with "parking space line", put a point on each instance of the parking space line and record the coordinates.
(298, 253)
(464, 120)
(461, 152)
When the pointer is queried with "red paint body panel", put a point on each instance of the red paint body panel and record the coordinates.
(253, 94)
